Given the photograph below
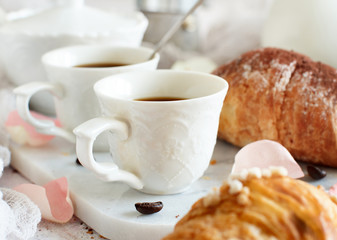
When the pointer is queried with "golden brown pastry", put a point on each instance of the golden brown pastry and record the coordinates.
(283, 96)
(272, 206)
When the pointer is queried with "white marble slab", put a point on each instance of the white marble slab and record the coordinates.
(109, 207)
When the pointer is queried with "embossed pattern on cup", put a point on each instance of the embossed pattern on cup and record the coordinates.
(165, 146)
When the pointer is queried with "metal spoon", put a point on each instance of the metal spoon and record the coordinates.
(173, 29)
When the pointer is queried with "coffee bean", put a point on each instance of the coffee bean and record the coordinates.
(149, 207)
(315, 172)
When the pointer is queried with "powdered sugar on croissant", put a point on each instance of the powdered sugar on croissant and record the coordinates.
(282, 96)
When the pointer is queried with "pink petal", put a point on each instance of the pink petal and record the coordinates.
(52, 199)
(264, 154)
(24, 133)
(333, 190)
(37, 194)
(58, 197)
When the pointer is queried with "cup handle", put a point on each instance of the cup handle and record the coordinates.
(23, 95)
(86, 133)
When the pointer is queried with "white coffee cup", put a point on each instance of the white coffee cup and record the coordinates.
(75, 101)
(158, 147)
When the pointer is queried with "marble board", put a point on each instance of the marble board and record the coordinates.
(108, 207)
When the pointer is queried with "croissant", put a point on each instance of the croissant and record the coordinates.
(255, 205)
(282, 96)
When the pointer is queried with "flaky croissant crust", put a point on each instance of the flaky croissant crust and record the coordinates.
(282, 96)
(265, 208)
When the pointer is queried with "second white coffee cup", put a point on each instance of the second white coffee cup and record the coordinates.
(72, 72)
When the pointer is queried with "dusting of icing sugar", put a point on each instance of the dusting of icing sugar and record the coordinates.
(266, 173)
(241, 175)
(254, 172)
(315, 96)
(260, 82)
(246, 70)
(235, 180)
(212, 198)
(235, 186)
(307, 75)
(285, 70)
(278, 171)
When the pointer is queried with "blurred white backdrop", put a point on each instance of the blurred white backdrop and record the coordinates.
(219, 30)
